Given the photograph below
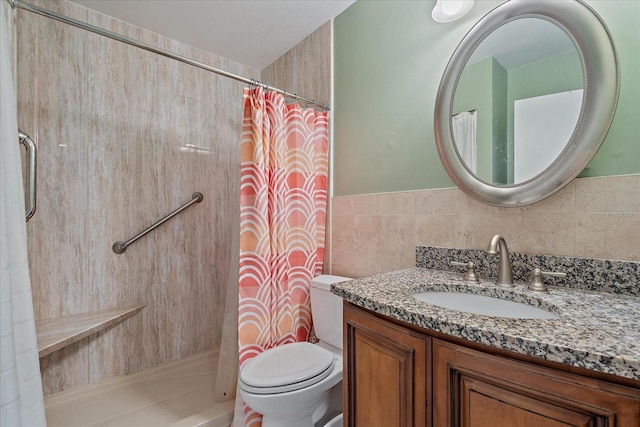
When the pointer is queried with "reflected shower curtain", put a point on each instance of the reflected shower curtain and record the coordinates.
(21, 402)
(283, 200)
(464, 127)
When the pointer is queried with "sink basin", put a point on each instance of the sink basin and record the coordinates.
(488, 306)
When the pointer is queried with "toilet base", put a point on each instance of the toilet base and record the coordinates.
(335, 422)
(286, 419)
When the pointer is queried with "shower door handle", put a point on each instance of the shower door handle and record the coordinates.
(32, 154)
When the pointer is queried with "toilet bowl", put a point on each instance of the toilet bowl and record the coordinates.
(292, 385)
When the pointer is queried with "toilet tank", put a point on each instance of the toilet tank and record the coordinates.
(326, 309)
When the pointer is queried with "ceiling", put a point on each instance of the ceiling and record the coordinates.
(257, 32)
(250, 32)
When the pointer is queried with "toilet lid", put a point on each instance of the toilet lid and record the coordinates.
(286, 368)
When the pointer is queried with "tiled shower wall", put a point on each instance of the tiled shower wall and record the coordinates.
(590, 218)
(125, 137)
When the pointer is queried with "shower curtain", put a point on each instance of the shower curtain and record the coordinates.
(464, 127)
(283, 198)
(21, 402)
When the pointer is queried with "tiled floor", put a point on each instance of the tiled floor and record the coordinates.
(178, 394)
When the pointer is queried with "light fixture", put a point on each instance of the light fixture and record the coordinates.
(450, 10)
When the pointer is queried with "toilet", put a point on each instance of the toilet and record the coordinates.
(300, 384)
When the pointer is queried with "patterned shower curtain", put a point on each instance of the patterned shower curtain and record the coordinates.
(283, 200)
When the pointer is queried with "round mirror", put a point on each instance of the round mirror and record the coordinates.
(526, 100)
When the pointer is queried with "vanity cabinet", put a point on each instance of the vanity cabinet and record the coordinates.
(475, 388)
(385, 371)
(407, 376)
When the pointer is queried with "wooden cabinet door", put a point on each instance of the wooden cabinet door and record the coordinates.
(472, 388)
(385, 373)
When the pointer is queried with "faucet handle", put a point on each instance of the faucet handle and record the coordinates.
(470, 275)
(537, 285)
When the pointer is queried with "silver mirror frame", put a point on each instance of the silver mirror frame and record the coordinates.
(601, 87)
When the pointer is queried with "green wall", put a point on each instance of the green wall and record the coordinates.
(389, 58)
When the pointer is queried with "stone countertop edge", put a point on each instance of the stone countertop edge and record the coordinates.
(598, 331)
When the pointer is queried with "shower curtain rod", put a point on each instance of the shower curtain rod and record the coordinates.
(62, 18)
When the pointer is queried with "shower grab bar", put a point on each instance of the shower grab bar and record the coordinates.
(119, 247)
(32, 152)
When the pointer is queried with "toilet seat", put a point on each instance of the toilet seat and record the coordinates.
(286, 368)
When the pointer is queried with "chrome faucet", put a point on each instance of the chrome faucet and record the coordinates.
(505, 276)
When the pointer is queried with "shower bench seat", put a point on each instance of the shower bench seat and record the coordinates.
(54, 334)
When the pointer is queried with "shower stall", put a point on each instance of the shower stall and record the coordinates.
(125, 136)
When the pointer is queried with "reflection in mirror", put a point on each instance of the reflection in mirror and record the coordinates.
(517, 101)
(590, 72)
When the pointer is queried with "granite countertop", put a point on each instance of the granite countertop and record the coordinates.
(599, 331)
